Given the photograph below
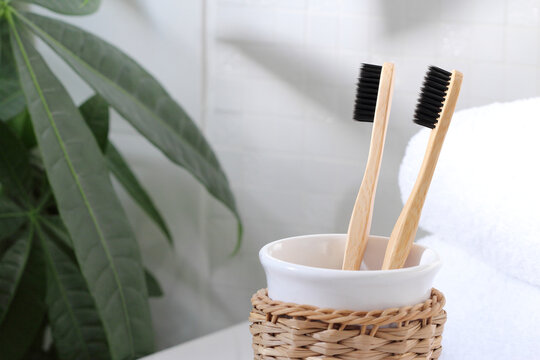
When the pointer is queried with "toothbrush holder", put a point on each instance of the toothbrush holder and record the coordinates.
(366, 314)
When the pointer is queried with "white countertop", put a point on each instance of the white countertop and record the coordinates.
(232, 343)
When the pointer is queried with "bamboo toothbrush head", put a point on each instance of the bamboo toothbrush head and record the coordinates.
(438, 96)
(366, 92)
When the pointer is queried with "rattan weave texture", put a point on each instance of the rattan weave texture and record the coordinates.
(295, 332)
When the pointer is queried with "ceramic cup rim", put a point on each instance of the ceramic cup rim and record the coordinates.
(269, 260)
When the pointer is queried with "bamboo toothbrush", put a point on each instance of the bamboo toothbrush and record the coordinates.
(373, 101)
(435, 108)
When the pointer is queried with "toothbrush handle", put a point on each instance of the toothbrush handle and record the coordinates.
(404, 231)
(360, 223)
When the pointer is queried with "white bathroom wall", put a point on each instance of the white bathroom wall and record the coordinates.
(271, 83)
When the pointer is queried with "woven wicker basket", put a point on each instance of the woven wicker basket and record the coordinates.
(290, 331)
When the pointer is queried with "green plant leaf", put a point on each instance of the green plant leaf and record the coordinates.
(12, 264)
(120, 169)
(12, 99)
(95, 112)
(57, 229)
(154, 289)
(68, 7)
(58, 232)
(139, 98)
(104, 244)
(21, 124)
(76, 327)
(23, 320)
(14, 165)
(11, 218)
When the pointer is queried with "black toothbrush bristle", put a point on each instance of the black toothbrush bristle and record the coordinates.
(366, 92)
(432, 97)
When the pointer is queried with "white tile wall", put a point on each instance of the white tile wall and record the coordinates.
(276, 79)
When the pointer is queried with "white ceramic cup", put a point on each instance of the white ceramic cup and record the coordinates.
(307, 270)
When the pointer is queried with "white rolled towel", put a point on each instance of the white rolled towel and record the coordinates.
(490, 315)
(485, 194)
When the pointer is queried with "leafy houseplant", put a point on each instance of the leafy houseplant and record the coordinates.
(69, 260)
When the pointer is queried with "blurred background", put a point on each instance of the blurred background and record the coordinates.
(271, 84)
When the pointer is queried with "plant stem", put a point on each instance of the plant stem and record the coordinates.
(43, 201)
(7, 12)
